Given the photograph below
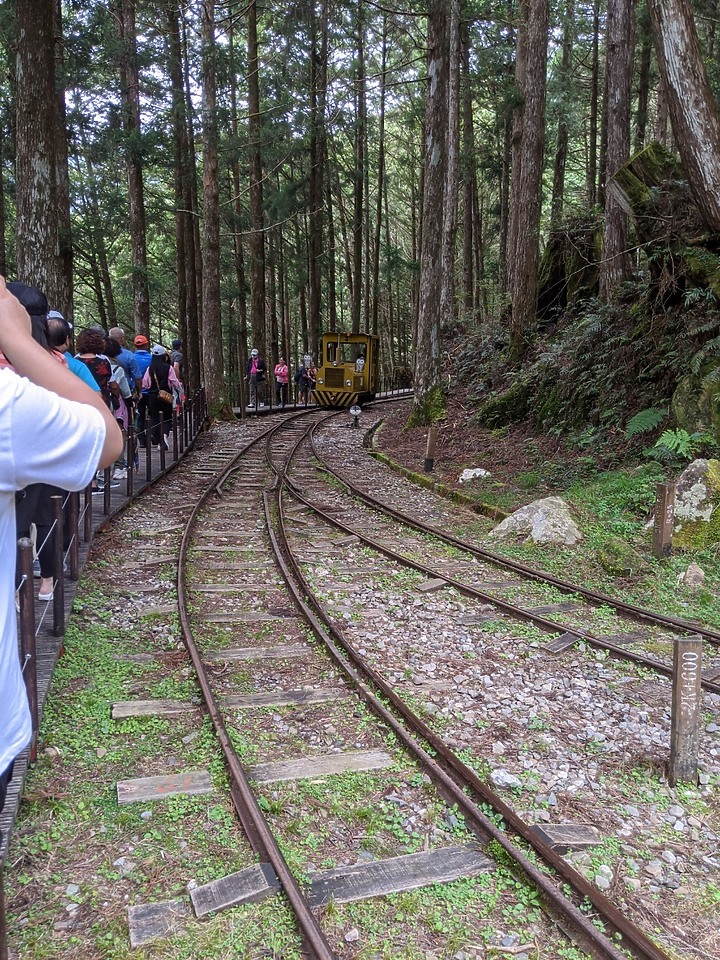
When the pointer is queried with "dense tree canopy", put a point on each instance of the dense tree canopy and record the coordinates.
(257, 173)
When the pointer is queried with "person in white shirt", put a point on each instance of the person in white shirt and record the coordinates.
(52, 427)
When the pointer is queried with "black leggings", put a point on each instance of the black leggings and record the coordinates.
(5, 779)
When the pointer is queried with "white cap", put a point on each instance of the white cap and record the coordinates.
(253, 352)
(55, 315)
(158, 350)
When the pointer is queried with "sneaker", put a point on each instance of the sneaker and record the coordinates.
(120, 475)
(262, 404)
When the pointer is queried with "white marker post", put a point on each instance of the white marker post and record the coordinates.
(685, 720)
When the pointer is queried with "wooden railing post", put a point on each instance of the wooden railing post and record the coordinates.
(28, 654)
(58, 600)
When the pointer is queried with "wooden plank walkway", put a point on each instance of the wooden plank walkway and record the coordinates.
(48, 645)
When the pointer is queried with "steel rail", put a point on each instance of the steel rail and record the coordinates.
(248, 809)
(518, 613)
(640, 613)
(585, 932)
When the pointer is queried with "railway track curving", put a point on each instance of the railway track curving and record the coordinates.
(292, 652)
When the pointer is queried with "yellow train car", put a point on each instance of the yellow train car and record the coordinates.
(349, 370)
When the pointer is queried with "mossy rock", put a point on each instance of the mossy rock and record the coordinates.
(697, 534)
(513, 406)
(703, 268)
(619, 559)
(696, 407)
(685, 405)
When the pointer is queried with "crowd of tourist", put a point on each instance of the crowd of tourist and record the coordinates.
(54, 429)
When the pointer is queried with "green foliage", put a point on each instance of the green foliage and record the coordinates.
(679, 444)
(645, 421)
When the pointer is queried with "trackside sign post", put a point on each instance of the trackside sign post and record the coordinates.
(685, 720)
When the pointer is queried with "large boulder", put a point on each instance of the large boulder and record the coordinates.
(695, 404)
(697, 505)
(543, 521)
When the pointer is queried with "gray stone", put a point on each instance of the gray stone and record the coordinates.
(693, 577)
(502, 778)
(543, 521)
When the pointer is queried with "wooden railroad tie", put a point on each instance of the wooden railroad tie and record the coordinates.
(192, 783)
(308, 768)
(379, 878)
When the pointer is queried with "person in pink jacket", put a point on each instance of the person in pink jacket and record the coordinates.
(282, 378)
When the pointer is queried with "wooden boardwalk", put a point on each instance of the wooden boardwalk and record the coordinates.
(48, 645)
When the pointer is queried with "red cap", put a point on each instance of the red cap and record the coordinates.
(141, 341)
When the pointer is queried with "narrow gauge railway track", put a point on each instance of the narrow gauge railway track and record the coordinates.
(222, 516)
(353, 522)
(453, 778)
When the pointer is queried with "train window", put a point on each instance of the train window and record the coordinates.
(345, 352)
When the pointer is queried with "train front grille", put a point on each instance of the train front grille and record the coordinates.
(334, 377)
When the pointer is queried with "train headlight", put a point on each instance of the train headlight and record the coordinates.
(355, 412)
(320, 380)
(348, 383)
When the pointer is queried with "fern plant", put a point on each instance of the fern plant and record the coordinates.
(681, 445)
(645, 421)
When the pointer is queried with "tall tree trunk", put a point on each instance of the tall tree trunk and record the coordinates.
(529, 130)
(504, 232)
(468, 165)
(238, 252)
(620, 31)
(274, 338)
(38, 221)
(212, 325)
(191, 219)
(450, 203)
(643, 95)
(359, 173)
(591, 181)
(62, 175)
(178, 128)
(97, 238)
(380, 183)
(257, 235)
(331, 278)
(318, 74)
(427, 382)
(130, 93)
(561, 148)
(695, 121)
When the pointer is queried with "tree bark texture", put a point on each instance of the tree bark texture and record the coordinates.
(212, 324)
(359, 174)
(527, 174)
(38, 224)
(130, 91)
(450, 202)
(615, 266)
(62, 176)
(427, 343)
(592, 163)
(257, 236)
(694, 116)
(561, 146)
(191, 220)
(468, 176)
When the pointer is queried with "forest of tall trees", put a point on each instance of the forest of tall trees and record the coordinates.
(256, 173)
